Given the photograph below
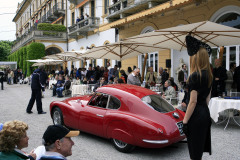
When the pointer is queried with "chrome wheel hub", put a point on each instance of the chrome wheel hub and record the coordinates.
(119, 143)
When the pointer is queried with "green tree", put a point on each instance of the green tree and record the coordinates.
(5, 49)
(34, 51)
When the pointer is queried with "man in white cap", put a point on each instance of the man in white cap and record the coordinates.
(58, 143)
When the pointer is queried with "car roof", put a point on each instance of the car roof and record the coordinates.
(132, 89)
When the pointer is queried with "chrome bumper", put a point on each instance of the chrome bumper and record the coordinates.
(155, 141)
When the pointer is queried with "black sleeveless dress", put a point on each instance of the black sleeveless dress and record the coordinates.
(199, 135)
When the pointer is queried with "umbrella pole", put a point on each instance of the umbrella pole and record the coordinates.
(144, 66)
(221, 54)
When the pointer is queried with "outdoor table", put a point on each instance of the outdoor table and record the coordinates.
(79, 89)
(218, 105)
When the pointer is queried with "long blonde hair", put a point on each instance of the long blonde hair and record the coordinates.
(200, 61)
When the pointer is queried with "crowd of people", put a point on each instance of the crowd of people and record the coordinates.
(57, 142)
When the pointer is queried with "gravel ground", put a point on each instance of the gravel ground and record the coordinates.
(14, 100)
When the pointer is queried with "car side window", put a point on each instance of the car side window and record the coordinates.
(99, 100)
(114, 103)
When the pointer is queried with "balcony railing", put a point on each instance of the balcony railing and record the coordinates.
(51, 16)
(117, 6)
(84, 26)
(58, 9)
(125, 8)
(39, 35)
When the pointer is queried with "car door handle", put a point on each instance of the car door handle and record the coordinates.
(99, 115)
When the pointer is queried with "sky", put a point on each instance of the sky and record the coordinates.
(7, 27)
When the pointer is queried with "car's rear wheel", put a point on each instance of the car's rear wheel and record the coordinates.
(122, 146)
(57, 116)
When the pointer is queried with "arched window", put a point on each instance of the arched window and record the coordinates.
(228, 16)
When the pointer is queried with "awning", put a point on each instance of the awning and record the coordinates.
(82, 3)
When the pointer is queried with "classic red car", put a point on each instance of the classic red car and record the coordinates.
(129, 115)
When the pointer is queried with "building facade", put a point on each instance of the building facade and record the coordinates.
(106, 21)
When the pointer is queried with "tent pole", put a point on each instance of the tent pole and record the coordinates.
(144, 66)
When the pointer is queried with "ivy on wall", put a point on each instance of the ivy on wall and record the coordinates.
(32, 51)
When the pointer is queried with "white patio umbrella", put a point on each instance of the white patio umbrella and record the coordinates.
(211, 33)
(46, 62)
(120, 50)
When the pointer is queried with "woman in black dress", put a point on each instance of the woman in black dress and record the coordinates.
(197, 121)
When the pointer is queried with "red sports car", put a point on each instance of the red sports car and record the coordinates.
(129, 115)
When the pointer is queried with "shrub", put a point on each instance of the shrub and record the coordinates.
(20, 52)
(24, 59)
(51, 27)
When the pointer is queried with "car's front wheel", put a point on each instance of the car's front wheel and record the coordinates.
(122, 146)
(57, 116)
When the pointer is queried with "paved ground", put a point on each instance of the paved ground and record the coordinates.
(13, 102)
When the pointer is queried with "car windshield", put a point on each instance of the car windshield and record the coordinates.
(157, 103)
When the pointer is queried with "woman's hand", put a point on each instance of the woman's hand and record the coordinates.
(185, 121)
(32, 154)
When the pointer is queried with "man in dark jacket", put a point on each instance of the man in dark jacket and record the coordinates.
(236, 77)
(1, 79)
(37, 85)
(219, 77)
(164, 76)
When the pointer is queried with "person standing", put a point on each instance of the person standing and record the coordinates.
(1, 79)
(151, 77)
(183, 75)
(229, 82)
(37, 84)
(197, 120)
(236, 77)
(164, 76)
(113, 72)
(219, 77)
(133, 78)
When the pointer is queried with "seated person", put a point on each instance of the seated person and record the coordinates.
(185, 100)
(13, 138)
(58, 143)
(120, 81)
(115, 80)
(173, 84)
(92, 80)
(110, 81)
(170, 91)
(66, 86)
(100, 83)
(85, 80)
(59, 84)
(77, 81)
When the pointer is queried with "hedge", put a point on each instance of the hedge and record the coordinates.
(51, 27)
(24, 59)
(34, 51)
(20, 52)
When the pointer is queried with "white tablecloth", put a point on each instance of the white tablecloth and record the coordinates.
(79, 89)
(52, 82)
(217, 105)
